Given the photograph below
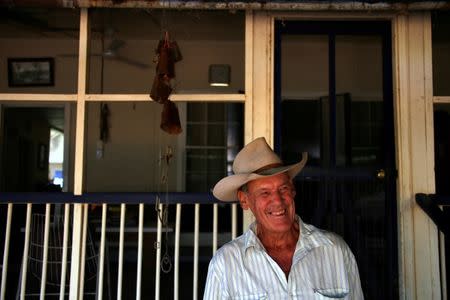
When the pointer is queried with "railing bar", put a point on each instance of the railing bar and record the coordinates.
(45, 252)
(233, 221)
(83, 250)
(177, 252)
(76, 249)
(23, 281)
(140, 245)
(215, 226)
(62, 289)
(6, 250)
(158, 253)
(102, 253)
(196, 245)
(120, 262)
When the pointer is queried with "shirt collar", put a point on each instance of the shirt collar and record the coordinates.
(310, 237)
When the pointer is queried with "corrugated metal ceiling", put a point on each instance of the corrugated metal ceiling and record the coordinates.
(216, 4)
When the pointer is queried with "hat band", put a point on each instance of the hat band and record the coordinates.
(262, 170)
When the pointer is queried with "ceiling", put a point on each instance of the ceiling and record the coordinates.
(128, 23)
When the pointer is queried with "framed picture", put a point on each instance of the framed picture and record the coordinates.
(30, 71)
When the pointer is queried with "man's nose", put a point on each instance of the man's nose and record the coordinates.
(277, 196)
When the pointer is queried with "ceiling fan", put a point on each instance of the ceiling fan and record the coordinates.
(112, 51)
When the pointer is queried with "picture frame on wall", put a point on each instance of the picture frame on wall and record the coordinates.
(24, 72)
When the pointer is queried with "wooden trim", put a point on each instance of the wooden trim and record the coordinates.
(418, 251)
(173, 97)
(441, 99)
(248, 111)
(79, 158)
(38, 97)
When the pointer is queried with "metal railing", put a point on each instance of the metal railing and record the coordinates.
(114, 245)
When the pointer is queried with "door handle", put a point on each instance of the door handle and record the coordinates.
(381, 174)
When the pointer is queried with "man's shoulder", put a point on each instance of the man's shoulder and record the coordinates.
(230, 251)
(234, 245)
(334, 238)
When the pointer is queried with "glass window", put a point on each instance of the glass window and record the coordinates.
(441, 52)
(442, 147)
(31, 138)
(124, 42)
(304, 80)
(39, 45)
(359, 100)
(214, 136)
(126, 150)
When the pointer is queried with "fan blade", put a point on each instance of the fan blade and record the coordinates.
(115, 45)
(131, 62)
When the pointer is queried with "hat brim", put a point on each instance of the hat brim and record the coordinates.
(226, 189)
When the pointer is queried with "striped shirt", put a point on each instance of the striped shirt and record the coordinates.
(323, 267)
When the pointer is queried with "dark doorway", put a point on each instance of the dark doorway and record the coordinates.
(333, 93)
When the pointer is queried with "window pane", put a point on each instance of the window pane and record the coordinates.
(442, 148)
(124, 42)
(359, 100)
(304, 82)
(223, 128)
(29, 35)
(28, 145)
(132, 156)
(441, 52)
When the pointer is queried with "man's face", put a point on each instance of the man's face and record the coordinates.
(271, 200)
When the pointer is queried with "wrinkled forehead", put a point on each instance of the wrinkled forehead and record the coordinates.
(269, 182)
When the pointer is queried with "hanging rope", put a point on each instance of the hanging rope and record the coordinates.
(163, 213)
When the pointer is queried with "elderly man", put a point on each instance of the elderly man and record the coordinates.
(279, 257)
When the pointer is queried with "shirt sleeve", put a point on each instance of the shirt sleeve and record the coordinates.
(354, 281)
(214, 285)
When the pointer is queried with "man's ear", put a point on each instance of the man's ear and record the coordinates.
(243, 199)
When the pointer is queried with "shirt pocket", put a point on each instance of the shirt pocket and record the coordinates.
(260, 296)
(331, 293)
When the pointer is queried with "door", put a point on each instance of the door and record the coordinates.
(333, 93)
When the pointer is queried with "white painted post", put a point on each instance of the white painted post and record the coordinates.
(140, 245)
(177, 253)
(83, 250)
(158, 254)
(6, 250)
(215, 226)
(102, 253)
(196, 246)
(121, 238)
(62, 288)
(45, 252)
(23, 281)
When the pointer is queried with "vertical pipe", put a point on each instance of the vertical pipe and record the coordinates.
(83, 250)
(45, 252)
(215, 226)
(62, 288)
(23, 281)
(177, 252)
(196, 246)
(158, 253)
(6, 250)
(120, 262)
(140, 245)
(101, 264)
(233, 220)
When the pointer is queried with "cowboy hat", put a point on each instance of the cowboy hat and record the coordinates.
(255, 160)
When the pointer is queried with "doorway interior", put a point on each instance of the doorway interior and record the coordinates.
(333, 99)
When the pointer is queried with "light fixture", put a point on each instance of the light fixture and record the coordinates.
(219, 75)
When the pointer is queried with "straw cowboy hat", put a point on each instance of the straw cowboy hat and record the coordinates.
(255, 160)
